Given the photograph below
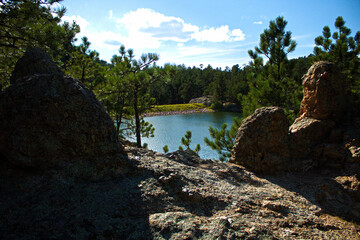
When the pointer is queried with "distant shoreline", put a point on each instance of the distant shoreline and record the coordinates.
(154, 114)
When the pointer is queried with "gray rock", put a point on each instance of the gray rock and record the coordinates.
(262, 141)
(48, 119)
(206, 100)
(34, 61)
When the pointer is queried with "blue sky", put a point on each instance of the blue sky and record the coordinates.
(197, 32)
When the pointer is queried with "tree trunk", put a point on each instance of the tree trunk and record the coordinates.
(137, 119)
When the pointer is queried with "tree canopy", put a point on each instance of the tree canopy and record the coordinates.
(32, 23)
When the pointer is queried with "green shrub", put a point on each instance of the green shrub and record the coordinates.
(217, 106)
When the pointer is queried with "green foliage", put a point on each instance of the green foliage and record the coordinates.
(223, 139)
(216, 106)
(147, 129)
(198, 148)
(32, 23)
(186, 140)
(188, 83)
(342, 49)
(274, 44)
(126, 89)
(84, 64)
(273, 84)
(166, 149)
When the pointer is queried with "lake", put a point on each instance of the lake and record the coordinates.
(170, 129)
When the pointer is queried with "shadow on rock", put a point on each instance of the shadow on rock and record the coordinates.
(335, 192)
(53, 206)
(63, 171)
(37, 205)
(318, 155)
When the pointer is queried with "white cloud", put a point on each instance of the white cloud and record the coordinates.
(221, 34)
(196, 55)
(54, 7)
(238, 35)
(259, 22)
(157, 27)
(146, 30)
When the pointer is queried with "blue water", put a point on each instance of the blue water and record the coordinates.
(170, 129)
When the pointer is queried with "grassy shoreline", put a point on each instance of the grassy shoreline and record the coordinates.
(173, 109)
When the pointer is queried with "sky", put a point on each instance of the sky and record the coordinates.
(194, 32)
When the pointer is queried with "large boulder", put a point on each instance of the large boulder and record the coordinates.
(48, 119)
(35, 61)
(262, 141)
(325, 92)
(265, 143)
(305, 133)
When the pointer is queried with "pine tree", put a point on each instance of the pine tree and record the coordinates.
(342, 49)
(223, 139)
(126, 90)
(32, 23)
(186, 140)
(85, 65)
(275, 44)
(269, 83)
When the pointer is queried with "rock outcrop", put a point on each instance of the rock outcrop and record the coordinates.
(318, 134)
(315, 139)
(262, 141)
(206, 100)
(35, 61)
(48, 119)
(325, 92)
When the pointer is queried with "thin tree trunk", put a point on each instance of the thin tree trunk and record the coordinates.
(137, 119)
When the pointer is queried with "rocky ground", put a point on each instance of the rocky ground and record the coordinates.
(178, 196)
